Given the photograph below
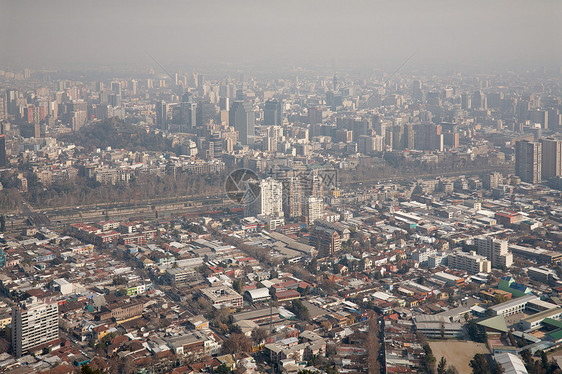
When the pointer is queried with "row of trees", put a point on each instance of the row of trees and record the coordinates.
(480, 365)
(476, 332)
(83, 191)
(541, 365)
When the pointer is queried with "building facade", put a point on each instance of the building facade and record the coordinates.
(528, 161)
(495, 250)
(551, 163)
(34, 323)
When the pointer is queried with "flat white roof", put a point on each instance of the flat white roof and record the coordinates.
(515, 302)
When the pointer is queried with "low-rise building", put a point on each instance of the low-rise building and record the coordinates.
(222, 297)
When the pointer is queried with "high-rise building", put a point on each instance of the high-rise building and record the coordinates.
(554, 119)
(434, 98)
(428, 137)
(3, 160)
(397, 137)
(34, 323)
(334, 99)
(523, 108)
(224, 103)
(479, 100)
(409, 136)
(79, 118)
(213, 146)
(12, 101)
(528, 159)
(271, 138)
(466, 102)
(551, 163)
(134, 87)
(2, 257)
(327, 241)
(491, 181)
(313, 209)
(116, 87)
(269, 201)
(368, 144)
(314, 115)
(31, 130)
(3, 105)
(200, 80)
(495, 99)
(243, 119)
(539, 116)
(495, 250)
(206, 112)
(417, 92)
(451, 139)
(292, 197)
(273, 113)
(162, 115)
(114, 99)
(188, 114)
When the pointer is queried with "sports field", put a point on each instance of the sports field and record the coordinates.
(457, 352)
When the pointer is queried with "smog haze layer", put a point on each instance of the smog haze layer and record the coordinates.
(360, 34)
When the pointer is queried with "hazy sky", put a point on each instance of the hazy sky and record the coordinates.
(346, 32)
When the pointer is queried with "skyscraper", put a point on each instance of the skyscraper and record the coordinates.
(554, 119)
(12, 101)
(134, 87)
(528, 157)
(292, 197)
(2, 258)
(428, 137)
(188, 113)
(397, 137)
(206, 112)
(314, 115)
(3, 160)
(539, 116)
(3, 105)
(116, 87)
(34, 323)
(114, 100)
(417, 93)
(479, 100)
(273, 113)
(551, 163)
(200, 80)
(243, 119)
(162, 115)
(466, 102)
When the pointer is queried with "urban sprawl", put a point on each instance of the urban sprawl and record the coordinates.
(308, 223)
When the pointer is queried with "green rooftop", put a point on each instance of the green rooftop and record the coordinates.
(495, 323)
(555, 335)
(552, 322)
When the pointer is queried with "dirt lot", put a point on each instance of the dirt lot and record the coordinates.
(457, 353)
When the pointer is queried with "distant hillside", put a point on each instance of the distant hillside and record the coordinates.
(118, 134)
